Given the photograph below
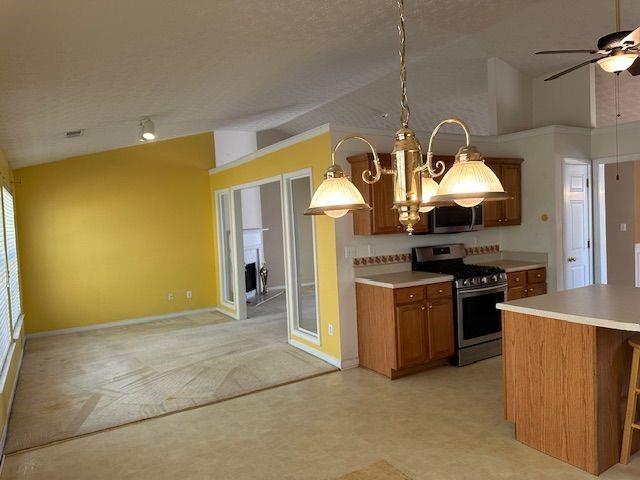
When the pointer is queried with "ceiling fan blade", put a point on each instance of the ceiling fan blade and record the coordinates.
(632, 39)
(548, 52)
(568, 70)
(634, 69)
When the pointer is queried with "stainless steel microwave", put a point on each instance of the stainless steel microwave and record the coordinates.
(454, 219)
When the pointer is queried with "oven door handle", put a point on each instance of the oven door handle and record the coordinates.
(494, 288)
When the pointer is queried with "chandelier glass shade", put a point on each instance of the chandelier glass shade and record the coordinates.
(429, 189)
(336, 196)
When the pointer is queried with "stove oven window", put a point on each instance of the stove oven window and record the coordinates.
(480, 317)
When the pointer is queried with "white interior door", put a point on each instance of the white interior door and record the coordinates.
(577, 226)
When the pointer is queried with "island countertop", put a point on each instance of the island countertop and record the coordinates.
(513, 265)
(404, 279)
(609, 306)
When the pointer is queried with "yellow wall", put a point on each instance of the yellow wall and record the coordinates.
(314, 153)
(105, 237)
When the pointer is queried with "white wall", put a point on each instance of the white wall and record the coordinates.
(233, 144)
(251, 208)
(272, 236)
(569, 100)
(510, 98)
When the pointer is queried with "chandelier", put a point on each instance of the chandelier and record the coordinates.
(467, 183)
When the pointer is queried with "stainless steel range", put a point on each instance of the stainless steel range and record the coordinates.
(477, 289)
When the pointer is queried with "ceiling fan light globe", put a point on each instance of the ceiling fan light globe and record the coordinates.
(617, 63)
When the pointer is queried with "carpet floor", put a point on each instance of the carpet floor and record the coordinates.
(79, 383)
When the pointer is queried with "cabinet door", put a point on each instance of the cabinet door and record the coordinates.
(440, 328)
(411, 334)
(493, 212)
(385, 217)
(536, 289)
(511, 181)
(514, 293)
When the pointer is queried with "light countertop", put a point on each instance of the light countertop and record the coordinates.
(512, 265)
(608, 306)
(404, 279)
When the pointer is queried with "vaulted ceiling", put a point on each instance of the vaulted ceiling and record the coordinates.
(291, 64)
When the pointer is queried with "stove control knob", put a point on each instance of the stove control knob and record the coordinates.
(483, 280)
(465, 282)
(494, 278)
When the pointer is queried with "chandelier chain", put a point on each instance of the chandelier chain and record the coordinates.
(404, 104)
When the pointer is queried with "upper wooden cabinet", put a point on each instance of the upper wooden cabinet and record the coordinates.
(383, 218)
(506, 212)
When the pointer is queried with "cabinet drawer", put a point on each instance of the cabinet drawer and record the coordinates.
(515, 293)
(410, 294)
(438, 290)
(536, 289)
(516, 279)
(537, 276)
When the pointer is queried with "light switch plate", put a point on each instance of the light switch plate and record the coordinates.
(623, 227)
(350, 252)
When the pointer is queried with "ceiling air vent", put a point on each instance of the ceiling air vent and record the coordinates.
(74, 133)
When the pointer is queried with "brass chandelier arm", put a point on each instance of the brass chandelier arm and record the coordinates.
(367, 176)
(440, 166)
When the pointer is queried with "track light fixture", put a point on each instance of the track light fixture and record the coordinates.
(147, 130)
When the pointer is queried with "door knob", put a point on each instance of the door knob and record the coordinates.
(571, 259)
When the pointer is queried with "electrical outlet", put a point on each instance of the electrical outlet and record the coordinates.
(170, 296)
(189, 294)
(331, 330)
(623, 227)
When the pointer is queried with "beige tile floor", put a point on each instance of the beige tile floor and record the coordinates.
(443, 424)
(79, 383)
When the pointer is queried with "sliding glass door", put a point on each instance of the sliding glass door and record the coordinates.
(225, 249)
(301, 256)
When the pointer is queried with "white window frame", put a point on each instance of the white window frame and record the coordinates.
(222, 261)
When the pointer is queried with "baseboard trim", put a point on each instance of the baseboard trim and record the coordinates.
(122, 323)
(341, 364)
(349, 363)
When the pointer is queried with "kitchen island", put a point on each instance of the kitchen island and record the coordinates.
(566, 371)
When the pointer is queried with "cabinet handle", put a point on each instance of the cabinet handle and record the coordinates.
(412, 295)
(423, 307)
(499, 220)
(539, 275)
(440, 291)
(517, 279)
(430, 306)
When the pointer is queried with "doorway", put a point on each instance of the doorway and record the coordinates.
(577, 245)
(618, 221)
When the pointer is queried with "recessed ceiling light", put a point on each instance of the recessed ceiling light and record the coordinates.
(147, 130)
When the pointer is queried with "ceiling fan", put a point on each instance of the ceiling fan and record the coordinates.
(618, 51)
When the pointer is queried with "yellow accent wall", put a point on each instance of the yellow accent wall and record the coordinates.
(105, 237)
(314, 153)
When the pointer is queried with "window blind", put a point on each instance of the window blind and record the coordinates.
(12, 256)
(5, 328)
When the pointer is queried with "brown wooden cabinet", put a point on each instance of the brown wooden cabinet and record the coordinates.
(526, 283)
(506, 212)
(383, 219)
(404, 330)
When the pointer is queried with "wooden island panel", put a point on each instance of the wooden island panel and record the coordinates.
(565, 388)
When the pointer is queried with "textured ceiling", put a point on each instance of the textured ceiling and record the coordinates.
(202, 65)
(605, 98)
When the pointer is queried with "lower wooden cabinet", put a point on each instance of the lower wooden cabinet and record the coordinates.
(404, 330)
(526, 283)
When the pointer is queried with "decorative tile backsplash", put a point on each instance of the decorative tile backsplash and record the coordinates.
(406, 257)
